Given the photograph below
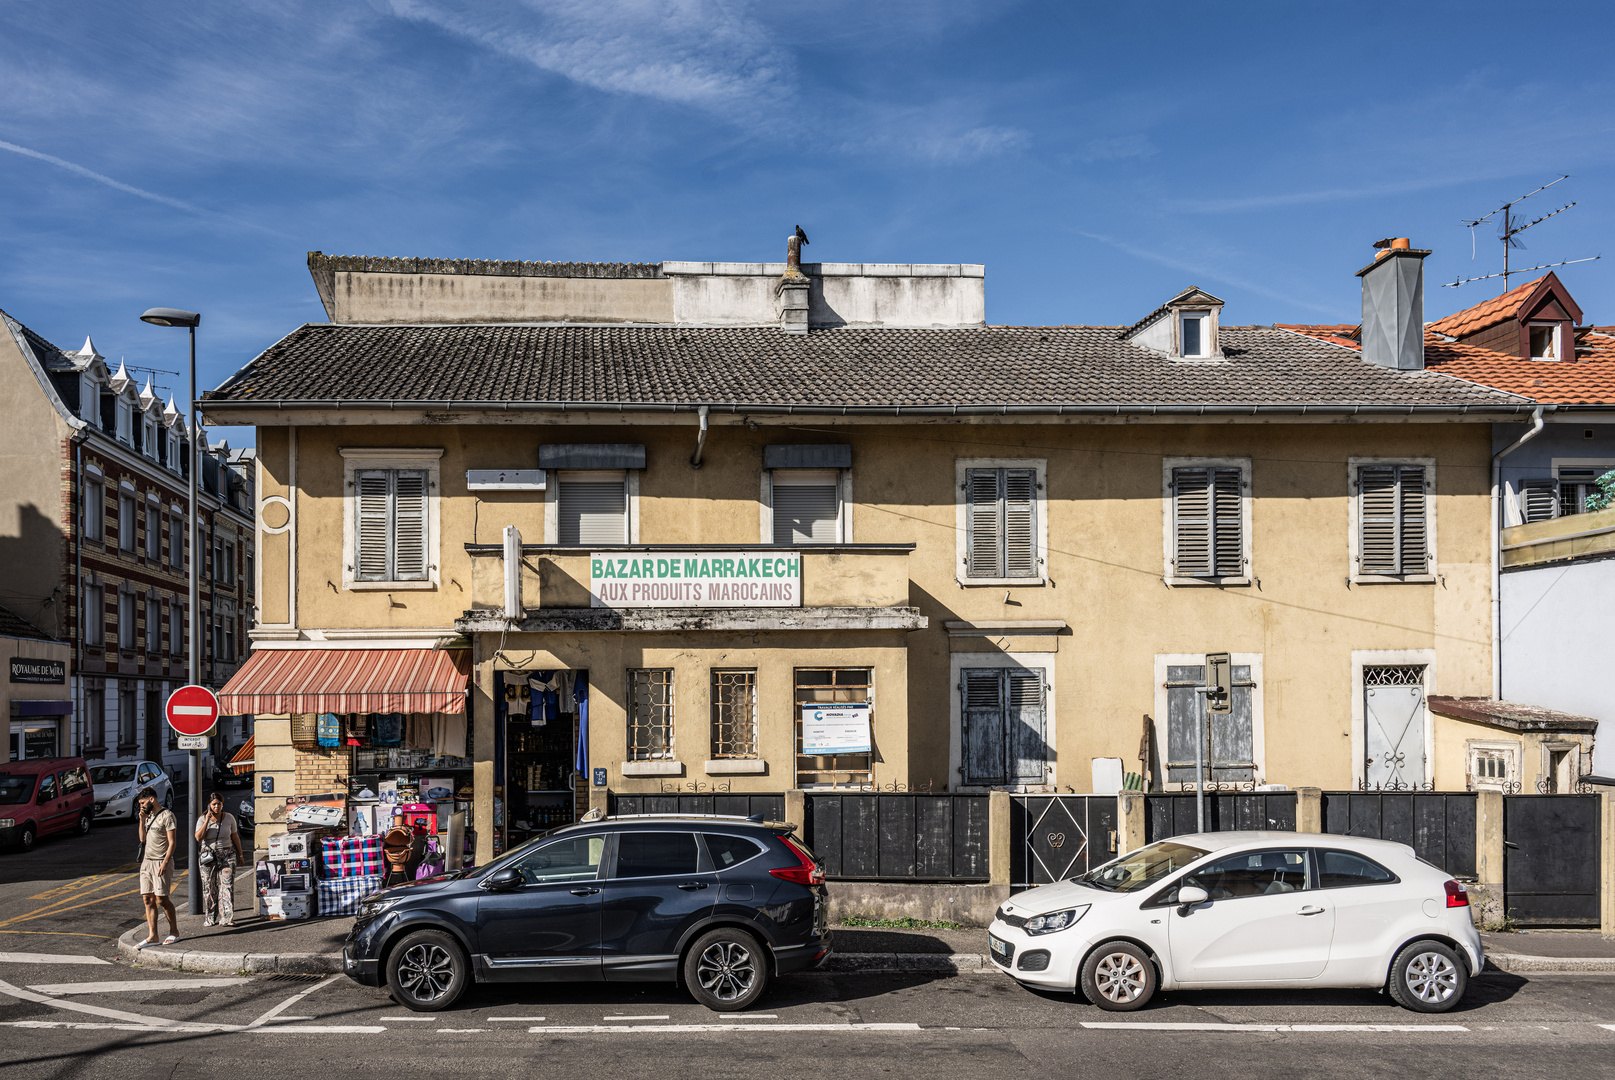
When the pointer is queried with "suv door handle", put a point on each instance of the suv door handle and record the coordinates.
(693, 885)
(583, 892)
(1311, 909)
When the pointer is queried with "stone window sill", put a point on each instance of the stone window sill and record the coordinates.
(737, 767)
(653, 768)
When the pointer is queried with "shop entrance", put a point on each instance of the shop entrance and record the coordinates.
(540, 714)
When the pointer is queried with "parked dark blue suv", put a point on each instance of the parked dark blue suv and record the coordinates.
(720, 904)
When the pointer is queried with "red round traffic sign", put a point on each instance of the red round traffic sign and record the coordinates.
(192, 710)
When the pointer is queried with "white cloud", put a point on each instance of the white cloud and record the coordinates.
(1200, 270)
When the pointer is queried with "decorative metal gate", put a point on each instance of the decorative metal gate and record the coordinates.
(1551, 859)
(1054, 837)
(1393, 719)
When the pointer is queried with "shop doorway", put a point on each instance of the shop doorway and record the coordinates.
(32, 739)
(541, 712)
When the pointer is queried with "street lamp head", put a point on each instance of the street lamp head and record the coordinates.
(167, 316)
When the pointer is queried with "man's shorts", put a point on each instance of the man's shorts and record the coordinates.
(154, 878)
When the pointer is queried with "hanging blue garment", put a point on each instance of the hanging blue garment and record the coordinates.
(389, 729)
(328, 729)
(580, 692)
(546, 705)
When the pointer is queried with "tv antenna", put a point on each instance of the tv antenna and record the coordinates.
(1507, 230)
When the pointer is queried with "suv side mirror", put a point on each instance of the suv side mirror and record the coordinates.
(504, 880)
(1189, 896)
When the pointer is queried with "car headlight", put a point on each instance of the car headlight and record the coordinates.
(124, 794)
(1054, 920)
(369, 909)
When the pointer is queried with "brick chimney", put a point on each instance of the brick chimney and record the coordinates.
(1393, 306)
(792, 289)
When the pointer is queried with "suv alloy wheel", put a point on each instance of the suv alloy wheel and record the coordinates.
(427, 971)
(726, 970)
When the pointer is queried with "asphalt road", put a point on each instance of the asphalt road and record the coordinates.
(69, 1007)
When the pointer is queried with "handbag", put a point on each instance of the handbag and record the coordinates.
(205, 857)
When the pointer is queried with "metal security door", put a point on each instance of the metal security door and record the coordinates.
(1550, 859)
(1393, 716)
(1232, 734)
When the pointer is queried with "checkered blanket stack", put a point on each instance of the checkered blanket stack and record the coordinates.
(351, 856)
(341, 896)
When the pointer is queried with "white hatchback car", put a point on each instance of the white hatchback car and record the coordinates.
(118, 782)
(1246, 909)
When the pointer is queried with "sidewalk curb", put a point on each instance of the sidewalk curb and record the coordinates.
(1515, 963)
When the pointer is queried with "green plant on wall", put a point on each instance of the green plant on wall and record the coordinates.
(1603, 494)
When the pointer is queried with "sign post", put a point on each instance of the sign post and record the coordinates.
(192, 711)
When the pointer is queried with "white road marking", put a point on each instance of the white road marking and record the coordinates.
(1607, 1027)
(319, 1029)
(755, 1016)
(515, 1019)
(79, 1027)
(111, 1014)
(459, 1031)
(293, 1000)
(1146, 1026)
(600, 1029)
(133, 986)
(396, 1019)
(49, 958)
(661, 1017)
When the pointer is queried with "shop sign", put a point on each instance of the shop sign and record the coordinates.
(28, 670)
(710, 579)
(835, 729)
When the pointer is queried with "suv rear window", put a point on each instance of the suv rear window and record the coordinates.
(727, 851)
(656, 854)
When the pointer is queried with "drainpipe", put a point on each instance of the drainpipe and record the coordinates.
(78, 588)
(700, 440)
(1497, 541)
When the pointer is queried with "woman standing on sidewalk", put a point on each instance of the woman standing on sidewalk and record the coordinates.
(218, 852)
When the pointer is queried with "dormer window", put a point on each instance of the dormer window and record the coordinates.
(1545, 341)
(1194, 333)
(1183, 328)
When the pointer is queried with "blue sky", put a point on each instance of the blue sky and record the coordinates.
(1097, 157)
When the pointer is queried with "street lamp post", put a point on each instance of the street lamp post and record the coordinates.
(190, 320)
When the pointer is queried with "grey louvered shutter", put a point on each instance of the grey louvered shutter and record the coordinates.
(806, 513)
(1020, 523)
(1228, 523)
(984, 752)
(1377, 519)
(1232, 733)
(592, 512)
(1191, 511)
(984, 524)
(1413, 546)
(1539, 500)
(372, 496)
(1025, 720)
(409, 526)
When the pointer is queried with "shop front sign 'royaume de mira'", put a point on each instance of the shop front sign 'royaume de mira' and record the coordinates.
(688, 579)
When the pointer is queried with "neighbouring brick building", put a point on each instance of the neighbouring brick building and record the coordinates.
(93, 543)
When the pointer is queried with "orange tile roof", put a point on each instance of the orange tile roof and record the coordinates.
(1557, 382)
(1598, 343)
(1487, 313)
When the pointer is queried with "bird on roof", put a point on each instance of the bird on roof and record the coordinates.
(800, 235)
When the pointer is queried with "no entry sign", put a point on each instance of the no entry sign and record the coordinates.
(192, 710)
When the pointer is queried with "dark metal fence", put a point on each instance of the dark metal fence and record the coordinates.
(1226, 811)
(1054, 837)
(1438, 825)
(898, 836)
(772, 807)
(1551, 859)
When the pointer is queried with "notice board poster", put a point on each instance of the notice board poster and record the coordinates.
(835, 729)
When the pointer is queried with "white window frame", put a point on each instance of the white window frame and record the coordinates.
(1366, 658)
(843, 483)
(1169, 532)
(154, 537)
(1159, 719)
(1024, 661)
(95, 508)
(426, 459)
(1203, 317)
(961, 520)
(1354, 537)
(1513, 751)
(552, 496)
(177, 533)
(1558, 340)
(128, 523)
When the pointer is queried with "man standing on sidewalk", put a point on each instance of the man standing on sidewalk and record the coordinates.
(156, 833)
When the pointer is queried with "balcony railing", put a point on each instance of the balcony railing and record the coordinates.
(1570, 537)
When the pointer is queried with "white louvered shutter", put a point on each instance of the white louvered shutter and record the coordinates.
(592, 512)
(1413, 546)
(807, 508)
(1020, 523)
(372, 496)
(985, 539)
(1539, 500)
(1191, 509)
(409, 526)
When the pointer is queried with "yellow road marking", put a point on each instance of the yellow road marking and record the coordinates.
(68, 890)
(59, 907)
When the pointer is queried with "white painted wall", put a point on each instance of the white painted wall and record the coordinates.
(1556, 637)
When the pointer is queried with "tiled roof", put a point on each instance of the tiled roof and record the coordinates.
(1557, 382)
(14, 625)
(1598, 343)
(824, 370)
(1487, 313)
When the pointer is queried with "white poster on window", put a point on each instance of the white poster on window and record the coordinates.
(835, 729)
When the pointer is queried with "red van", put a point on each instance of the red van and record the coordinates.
(43, 796)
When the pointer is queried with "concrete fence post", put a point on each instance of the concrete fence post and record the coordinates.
(796, 812)
(1129, 821)
(999, 855)
(1606, 882)
(1488, 906)
(1308, 810)
(599, 799)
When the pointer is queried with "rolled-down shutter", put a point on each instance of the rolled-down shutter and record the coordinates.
(592, 512)
(807, 510)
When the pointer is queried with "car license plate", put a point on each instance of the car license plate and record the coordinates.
(998, 947)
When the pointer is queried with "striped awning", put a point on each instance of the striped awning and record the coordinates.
(241, 763)
(349, 681)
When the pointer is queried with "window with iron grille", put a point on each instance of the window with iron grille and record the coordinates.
(833, 686)
(650, 714)
(1393, 534)
(390, 525)
(734, 714)
(1001, 527)
(1208, 521)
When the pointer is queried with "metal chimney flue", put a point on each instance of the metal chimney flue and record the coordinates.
(1393, 306)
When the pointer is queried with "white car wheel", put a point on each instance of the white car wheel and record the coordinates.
(1119, 977)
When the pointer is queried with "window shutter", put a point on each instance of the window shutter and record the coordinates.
(1191, 505)
(983, 728)
(1414, 547)
(1020, 523)
(1024, 718)
(1539, 500)
(985, 539)
(372, 503)
(1228, 539)
(409, 528)
(1376, 518)
(592, 512)
(806, 513)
